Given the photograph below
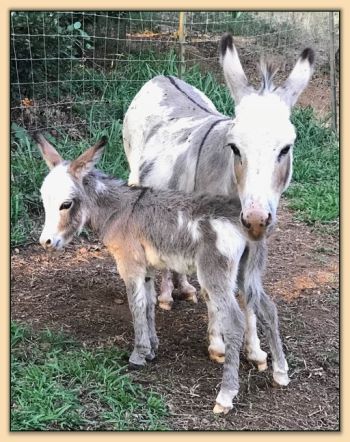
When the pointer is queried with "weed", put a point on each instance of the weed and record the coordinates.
(58, 385)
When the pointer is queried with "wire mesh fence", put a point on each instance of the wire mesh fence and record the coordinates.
(72, 72)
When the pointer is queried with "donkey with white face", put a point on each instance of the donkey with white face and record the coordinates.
(146, 229)
(174, 137)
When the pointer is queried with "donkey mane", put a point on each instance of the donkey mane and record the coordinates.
(268, 70)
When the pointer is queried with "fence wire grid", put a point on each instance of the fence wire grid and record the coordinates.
(74, 71)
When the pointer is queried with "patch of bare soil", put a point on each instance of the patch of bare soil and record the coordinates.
(80, 292)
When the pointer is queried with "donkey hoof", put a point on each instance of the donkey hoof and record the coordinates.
(151, 356)
(220, 409)
(280, 379)
(259, 358)
(135, 367)
(165, 305)
(261, 366)
(188, 292)
(189, 296)
(217, 357)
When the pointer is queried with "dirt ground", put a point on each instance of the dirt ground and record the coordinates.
(80, 293)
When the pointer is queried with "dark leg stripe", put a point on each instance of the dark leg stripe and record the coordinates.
(172, 81)
(201, 147)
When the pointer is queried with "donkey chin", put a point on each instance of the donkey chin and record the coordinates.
(257, 234)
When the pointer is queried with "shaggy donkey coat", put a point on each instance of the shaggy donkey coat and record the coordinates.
(146, 229)
(175, 138)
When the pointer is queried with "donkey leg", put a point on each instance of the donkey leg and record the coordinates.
(151, 301)
(131, 264)
(249, 280)
(216, 347)
(252, 341)
(138, 306)
(218, 278)
(166, 289)
(267, 314)
(232, 320)
(187, 291)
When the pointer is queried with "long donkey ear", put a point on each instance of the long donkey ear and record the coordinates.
(298, 78)
(49, 153)
(86, 162)
(233, 71)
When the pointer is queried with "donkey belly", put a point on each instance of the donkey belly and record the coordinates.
(175, 261)
(181, 264)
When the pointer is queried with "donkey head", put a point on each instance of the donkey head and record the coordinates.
(63, 194)
(262, 135)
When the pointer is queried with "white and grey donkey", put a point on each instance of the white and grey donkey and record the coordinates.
(147, 229)
(175, 138)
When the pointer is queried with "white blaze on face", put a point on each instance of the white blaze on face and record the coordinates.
(56, 189)
(261, 129)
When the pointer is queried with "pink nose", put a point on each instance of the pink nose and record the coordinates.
(256, 222)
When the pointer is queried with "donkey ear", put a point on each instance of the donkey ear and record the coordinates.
(298, 78)
(49, 153)
(233, 71)
(86, 162)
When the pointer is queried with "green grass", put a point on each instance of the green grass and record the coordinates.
(313, 193)
(58, 385)
(112, 96)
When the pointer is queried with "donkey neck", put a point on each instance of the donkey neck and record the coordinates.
(108, 199)
(214, 166)
(104, 197)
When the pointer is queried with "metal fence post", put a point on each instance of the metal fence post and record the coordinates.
(181, 35)
(332, 72)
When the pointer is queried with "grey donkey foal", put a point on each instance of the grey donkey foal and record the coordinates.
(146, 229)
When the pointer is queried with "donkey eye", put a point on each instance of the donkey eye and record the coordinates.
(235, 149)
(284, 152)
(66, 205)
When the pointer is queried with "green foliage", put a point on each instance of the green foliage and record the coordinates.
(58, 385)
(26, 174)
(102, 100)
(43, 45)
(314, 192)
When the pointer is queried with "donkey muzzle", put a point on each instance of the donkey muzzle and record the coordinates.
(256, 223)
(50, 243)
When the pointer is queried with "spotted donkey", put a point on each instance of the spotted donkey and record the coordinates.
(147, 229)
(175, 138)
